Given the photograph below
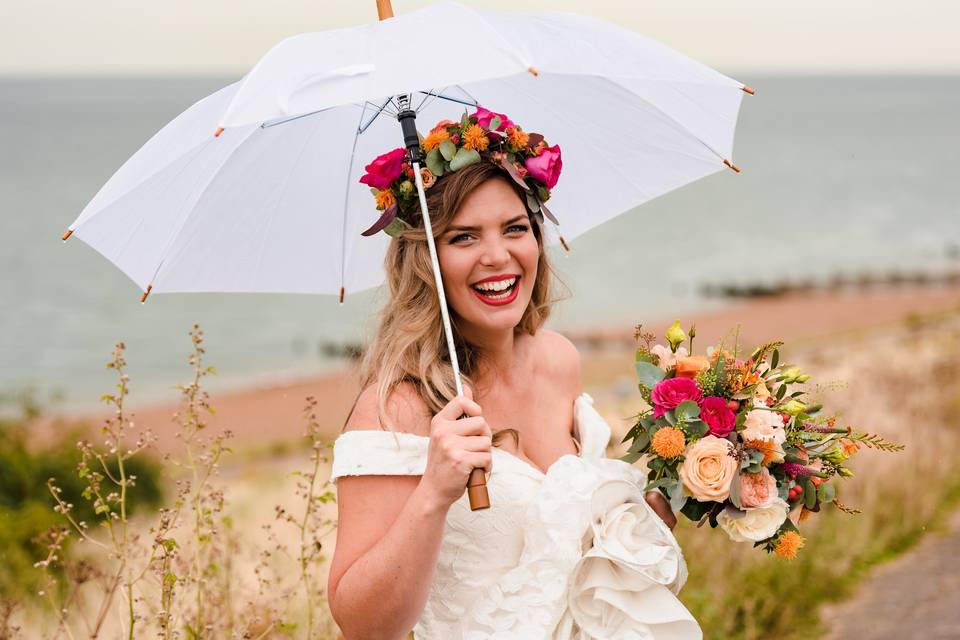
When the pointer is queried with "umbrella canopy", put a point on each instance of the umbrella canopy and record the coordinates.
(272, 203)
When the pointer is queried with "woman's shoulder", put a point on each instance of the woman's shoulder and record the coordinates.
(405, 410)
(559, 358)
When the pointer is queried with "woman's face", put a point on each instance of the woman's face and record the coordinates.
(488, 259)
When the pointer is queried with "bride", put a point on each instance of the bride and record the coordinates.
(570, 547)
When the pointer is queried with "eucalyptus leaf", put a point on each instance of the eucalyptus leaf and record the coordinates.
(396, 227)
(495, 123)
(697, 428)
(809, 494)
(464, 158)
(677, 499)
(448, 150)
(640, 442)
(687, 410)
(532, 203)
(827, 492)
(670, 417)
(649, 374)
(630, 458)
(435, 162)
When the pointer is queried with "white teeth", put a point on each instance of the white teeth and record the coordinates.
(502, 285)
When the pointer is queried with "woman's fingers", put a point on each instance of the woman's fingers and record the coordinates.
(476, 443)
(662, 508)
(457, 407)
(471, 427)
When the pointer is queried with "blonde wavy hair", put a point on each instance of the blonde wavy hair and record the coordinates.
(410, 345)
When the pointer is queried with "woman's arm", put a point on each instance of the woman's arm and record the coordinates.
(391, 527)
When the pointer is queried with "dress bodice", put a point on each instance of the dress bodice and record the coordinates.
(574, 552)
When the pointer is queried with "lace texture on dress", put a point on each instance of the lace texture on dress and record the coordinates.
(573, 553)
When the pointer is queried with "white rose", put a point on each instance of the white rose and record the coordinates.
(665, 357)
(762, 424)
(632, 556)
(753, 525)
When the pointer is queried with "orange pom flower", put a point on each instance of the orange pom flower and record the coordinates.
(433, 139)
(475, 138)
(517, 138)
(385, 199)
(668, 442)
(771, 452)
(788, 545)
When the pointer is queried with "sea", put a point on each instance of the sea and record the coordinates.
(847, 175)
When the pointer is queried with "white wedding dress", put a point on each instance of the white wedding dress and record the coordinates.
(570, 554)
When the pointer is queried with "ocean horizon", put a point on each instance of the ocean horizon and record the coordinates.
(841, 175)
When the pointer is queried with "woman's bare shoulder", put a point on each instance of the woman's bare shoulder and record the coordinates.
(405, 409)
(560, 358)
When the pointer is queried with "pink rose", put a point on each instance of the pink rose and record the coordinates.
(546, 166)
(671, 392)
(757, 489)
(484, 116)
(384, 169)
(718, 416)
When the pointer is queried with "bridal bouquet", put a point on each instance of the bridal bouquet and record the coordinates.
(736, 443)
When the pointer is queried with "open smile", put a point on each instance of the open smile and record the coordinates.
(497, 290)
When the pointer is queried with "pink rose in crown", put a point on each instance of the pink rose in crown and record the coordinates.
(718, 416)
(384, 169)
(546, 166)
(671, 392)
(484, 116)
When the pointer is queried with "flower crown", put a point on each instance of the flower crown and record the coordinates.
(450, 146)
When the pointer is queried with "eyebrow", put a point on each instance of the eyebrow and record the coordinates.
(461, 229)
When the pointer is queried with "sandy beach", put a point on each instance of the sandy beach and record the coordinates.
(265, 416)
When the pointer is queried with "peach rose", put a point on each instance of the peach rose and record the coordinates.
(762, 424)
(690, 366)
(757, 489)
(708, 469)
(428, 178)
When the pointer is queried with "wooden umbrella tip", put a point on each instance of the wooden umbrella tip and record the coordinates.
(143, 298)
(342, 293)
(533, 71)
(67, 234)
(735, 168)
(563, 242)
(216, 134)
(749, 90)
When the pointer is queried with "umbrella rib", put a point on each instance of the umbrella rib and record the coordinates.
(346, 200)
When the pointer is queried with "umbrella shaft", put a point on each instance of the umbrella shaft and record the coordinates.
(444, 311)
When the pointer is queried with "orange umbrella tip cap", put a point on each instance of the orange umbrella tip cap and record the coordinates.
(533, 71)
(216, 134)
(143, 298)
(67, 234)
(749, 90)
(735, 168)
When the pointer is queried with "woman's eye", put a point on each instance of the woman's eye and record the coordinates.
(517, 228)
(458, 238)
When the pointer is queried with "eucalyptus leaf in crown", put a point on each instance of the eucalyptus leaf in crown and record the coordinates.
(483, 136)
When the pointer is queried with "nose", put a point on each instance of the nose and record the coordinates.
(494, 253)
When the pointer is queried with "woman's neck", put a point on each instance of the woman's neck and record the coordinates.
(498, 355)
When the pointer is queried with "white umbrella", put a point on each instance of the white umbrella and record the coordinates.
(255, 188)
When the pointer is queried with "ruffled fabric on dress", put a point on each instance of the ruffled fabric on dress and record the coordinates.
(573, 553)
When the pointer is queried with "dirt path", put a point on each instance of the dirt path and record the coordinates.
(914, 596)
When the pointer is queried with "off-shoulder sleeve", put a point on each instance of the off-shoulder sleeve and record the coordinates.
(592, 429)
(379, 453)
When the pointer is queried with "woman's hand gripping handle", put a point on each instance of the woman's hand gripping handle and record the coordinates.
(459, 453)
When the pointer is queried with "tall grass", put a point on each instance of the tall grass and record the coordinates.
(180, 572)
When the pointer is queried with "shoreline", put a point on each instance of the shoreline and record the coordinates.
(266, 415)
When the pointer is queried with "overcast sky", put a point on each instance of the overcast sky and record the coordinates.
(228, 36)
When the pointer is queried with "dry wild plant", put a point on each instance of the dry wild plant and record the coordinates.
(180, 581)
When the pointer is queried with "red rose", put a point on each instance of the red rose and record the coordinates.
(718, 416)
(485, 116)
(546, 167)
(384, 169)
(671, 392)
